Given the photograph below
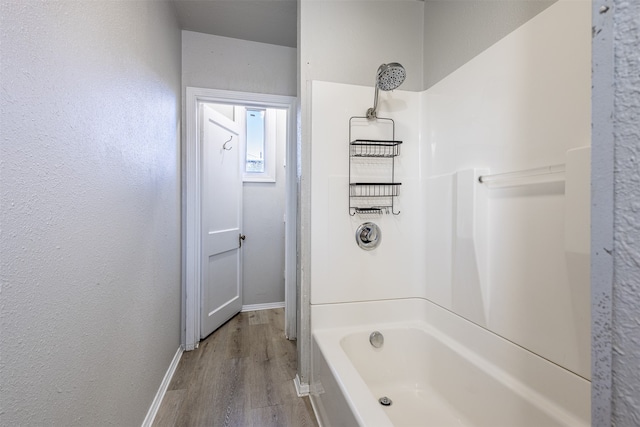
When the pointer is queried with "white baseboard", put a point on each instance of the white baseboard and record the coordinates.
(267, 306)
(155, 405)
(315, 408)
(301, 389)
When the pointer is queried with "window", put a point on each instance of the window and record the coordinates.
(260, 145)
(254, 162)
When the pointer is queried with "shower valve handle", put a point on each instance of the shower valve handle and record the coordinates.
(368, 236)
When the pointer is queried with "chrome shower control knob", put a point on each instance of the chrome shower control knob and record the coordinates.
(368, 236)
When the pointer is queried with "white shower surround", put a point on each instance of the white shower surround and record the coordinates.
(457, 243)
(523, 103)
(337, 262)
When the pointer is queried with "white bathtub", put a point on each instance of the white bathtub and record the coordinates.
(455, 374)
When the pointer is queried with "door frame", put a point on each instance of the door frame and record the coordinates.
(191, 202)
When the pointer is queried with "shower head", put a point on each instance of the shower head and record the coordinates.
(389, 77)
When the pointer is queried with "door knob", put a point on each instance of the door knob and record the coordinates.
(241, 237)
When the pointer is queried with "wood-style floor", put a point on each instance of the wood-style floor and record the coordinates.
(241, 375)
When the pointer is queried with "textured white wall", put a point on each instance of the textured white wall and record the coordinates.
(626, 286)
(216, 62)
(615, 259)
(90, 209)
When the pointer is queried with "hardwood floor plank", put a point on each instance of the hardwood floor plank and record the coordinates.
(184, 371)
(169, 409)
(260, 337)
(208, 373)
(299, 413)
(269, 416)
(238, 343)
(219, 398)
(284, 353)
(292, 414)
(276, 320)
(266, 387)
(260, 317)
(239, 376)
(232, 394)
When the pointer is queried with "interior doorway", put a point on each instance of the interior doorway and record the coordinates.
(265, 167)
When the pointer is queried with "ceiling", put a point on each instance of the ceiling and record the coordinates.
(264, 21)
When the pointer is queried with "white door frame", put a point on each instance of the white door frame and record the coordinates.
(192, 203)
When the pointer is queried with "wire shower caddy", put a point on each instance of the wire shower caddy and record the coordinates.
(367, 196)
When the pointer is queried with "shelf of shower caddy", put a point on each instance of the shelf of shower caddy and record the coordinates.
(376, 210)
(374, 189)
(375, 148)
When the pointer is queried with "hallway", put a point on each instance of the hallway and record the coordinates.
(241, 375)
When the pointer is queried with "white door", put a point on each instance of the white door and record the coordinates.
(221, 216)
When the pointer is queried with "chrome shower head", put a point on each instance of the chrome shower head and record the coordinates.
(389, 77)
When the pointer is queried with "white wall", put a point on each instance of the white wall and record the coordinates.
(263, 224)
(224, 63)
(456, 31)
(345, 41)
(523, 103)
(90, 209)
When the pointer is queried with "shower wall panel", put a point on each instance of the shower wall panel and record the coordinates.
(523, 103)
(340, 270)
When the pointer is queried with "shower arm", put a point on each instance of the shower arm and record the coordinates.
(371, 112)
